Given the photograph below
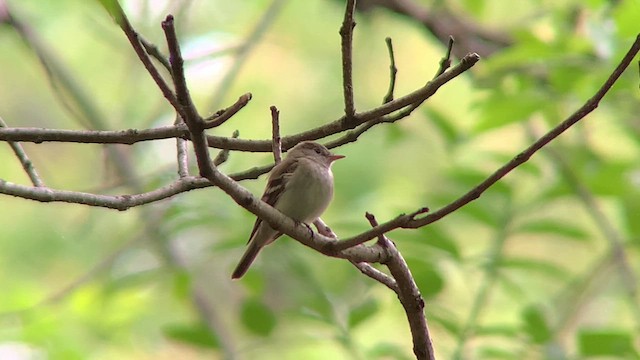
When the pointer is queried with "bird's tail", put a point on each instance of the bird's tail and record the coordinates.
(252, 251)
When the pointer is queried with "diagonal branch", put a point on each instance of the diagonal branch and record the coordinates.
(132, 136)
(410, 222)
(26, 163)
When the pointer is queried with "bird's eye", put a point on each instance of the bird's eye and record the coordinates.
(317, 150)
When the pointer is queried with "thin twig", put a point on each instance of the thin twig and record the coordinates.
(378, 230)
(181, 152)
(405, 221)
(186, 108)
(132, 136)
(393, 71)
(121, 19)
(525, 155)
(223, 155)
(346, 34)
(377, 275)
(220, 117)
(324, 229)
(155, 53)
(276, 142)
(445, 62)
(26, 163)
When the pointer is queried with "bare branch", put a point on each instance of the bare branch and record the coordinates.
(220, 118)
(324, 229)
(275, 131)
(445, 62)
(154, 52)
(409, 296)
(223, 155)
(182, 156)
(376, 275)
(378, 230)
(346, 33)
(409, 221)
(525, 155)
(26, 163)
(392, 72)
(186, 108)
(121, 19)
(132, 136)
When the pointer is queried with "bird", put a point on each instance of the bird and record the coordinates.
(301, 187)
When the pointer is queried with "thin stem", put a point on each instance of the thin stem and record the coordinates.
(346, 34)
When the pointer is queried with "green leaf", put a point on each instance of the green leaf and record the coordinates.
(387, 351)
(362, 312)
(443, 123)
(535, 325)
(194, 334)
(555, 228)
(602, 342)
(181, 284)
(114, 9)
(434, 237)
(257, 317)
(429, 280)
(529, 265)
(500, 110)
(507, 331)
(626, 16)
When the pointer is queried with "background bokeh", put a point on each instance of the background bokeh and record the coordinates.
(545, 265)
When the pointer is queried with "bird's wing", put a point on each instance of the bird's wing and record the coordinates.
(276, 185)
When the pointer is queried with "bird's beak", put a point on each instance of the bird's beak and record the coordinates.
(335, 157)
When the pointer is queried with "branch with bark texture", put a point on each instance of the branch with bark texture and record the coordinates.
(352, 124)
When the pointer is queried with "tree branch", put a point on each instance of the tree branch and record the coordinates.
(346, 34)
(409, 296)
(26, 163)
(276, 145)
(393, 71)
(132, 136)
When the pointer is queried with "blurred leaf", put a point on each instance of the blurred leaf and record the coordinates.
(602, 342)
(497, 330)
(193, 334)
(626, 15)
(257, 317)
(387, 351)
(501, 109)
(540, 266)
(535, 325)
(554, 227)
(470, 178)
(113, 8)
(362, 312)
(441, 120)
(394, 134)
(492, 352)
(446, 319)
(181, 284)
(608, 178)
(433, 236)
(429, 280)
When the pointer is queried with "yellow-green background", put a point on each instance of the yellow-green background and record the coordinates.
(525, 272)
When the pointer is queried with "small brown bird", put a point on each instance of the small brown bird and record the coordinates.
(301, 187)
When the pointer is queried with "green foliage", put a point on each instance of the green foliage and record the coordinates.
(606, 342)
(541, 265)
(257, 317)
(192, 334)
